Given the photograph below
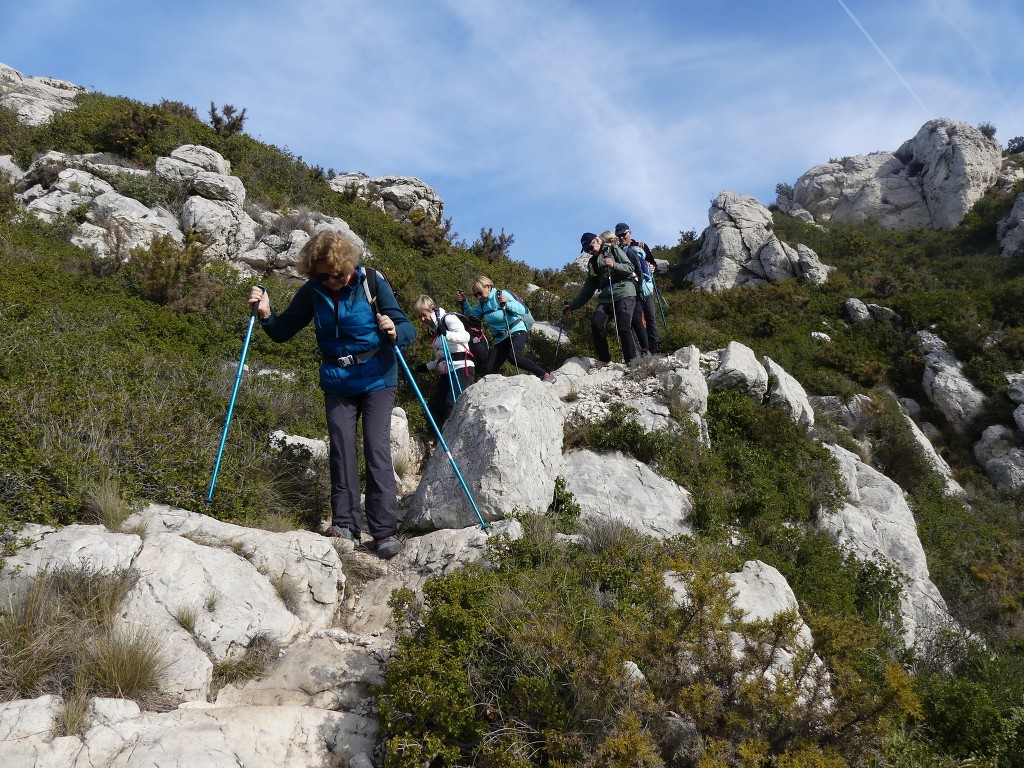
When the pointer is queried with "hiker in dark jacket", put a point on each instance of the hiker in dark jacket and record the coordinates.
(609, 274)
(640, 254)
(445, 329)
(503, 314)
(359, 375)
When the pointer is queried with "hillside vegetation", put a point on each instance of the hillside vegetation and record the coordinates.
(114, 384)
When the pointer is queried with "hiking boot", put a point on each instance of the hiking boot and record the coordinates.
(549, 378)
(337, 532)
(388, 547)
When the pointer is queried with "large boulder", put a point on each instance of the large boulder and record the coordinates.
(876, 522)
(618, 487)
(1001, 456)
(738, 370)
(505, 435)
(740, 248)
(946, 384)
(931, 181)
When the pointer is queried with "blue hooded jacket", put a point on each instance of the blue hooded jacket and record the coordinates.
(346, 327)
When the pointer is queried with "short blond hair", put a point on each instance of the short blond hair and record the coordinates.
(479, 283)
(608, 237)
(423, 304)
(331, 249)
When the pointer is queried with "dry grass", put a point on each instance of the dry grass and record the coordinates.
(105, 504)
(259, 654)
(61, 636)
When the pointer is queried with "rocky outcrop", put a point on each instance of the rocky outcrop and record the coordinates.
(618, 487)
(35, 99)
(398, 196)
(877, 522)
(740, 248)
(946, 385)
(1010, 231)
(931, 181)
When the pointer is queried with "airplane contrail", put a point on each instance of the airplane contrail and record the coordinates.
(885, 58)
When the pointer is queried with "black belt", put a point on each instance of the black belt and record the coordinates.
(348, 360)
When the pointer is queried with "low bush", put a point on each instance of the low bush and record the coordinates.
(529, 663)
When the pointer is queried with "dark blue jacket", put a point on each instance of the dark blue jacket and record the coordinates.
(348, 327)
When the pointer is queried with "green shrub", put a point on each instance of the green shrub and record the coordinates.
(532, 651)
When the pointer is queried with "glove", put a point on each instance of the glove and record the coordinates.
(502, 299)
(566, 308)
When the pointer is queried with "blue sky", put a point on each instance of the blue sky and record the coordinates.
(549, 118)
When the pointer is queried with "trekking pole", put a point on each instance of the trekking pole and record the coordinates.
(615, 323)
(449, 363)
(234, 394)
(441, 442)
(508, 330)
(661, 305)
(561, 326)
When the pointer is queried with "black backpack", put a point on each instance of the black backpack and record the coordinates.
(479, 349)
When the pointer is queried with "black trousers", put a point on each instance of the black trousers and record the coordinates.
(623, 328)
(442, 400)
(512, 348)
(381, 492)
(648, 308)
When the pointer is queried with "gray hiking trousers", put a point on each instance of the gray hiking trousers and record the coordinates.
(381, 492)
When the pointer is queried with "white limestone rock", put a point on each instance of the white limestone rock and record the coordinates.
(506, 436)
(932, 180)
(946, 385)
(618, 487)
(398, 196)
(741, 248)
(1001, 456)
(739, 370)
(788, 394)
(35, 99)
(1010, 231)
(877, 522)
(685, 384)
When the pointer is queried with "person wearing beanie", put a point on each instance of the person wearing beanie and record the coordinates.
(643, 262)
(609, 273)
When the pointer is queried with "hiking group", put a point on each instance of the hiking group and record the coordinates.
(621, 271)
(361, 330)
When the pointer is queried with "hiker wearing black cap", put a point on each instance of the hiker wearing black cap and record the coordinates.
(643, 262)
(609, 274)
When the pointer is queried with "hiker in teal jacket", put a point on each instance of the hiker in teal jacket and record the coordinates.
(503, 314)
(358, 374)
(610, 275)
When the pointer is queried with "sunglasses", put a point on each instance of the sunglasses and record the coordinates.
(479, 294)
(323, 277)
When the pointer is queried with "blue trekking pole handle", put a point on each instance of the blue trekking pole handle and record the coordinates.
(441, 442)
(234, 394)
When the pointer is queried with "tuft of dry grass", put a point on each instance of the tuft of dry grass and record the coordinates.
(62, 636)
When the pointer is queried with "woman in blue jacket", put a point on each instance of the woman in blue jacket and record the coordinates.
(504, 316)
(358, 374)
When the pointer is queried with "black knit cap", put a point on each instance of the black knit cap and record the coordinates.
(585, 240)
